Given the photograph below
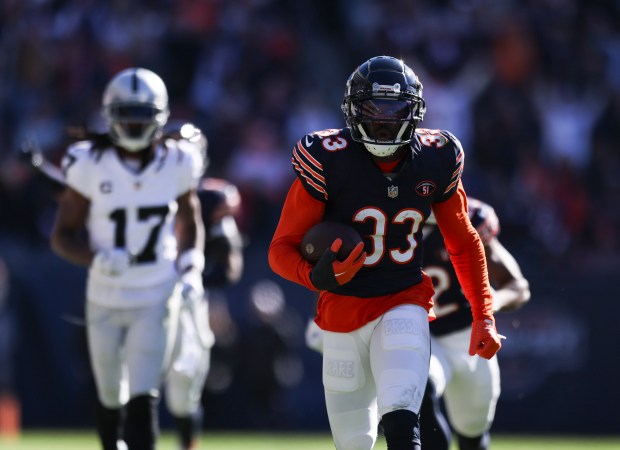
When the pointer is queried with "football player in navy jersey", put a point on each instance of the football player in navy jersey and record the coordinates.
(383, 177)
(470, 386)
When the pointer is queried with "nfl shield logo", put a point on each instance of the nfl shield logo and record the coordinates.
(393, 191)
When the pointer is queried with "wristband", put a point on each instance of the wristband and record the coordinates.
(191, 258)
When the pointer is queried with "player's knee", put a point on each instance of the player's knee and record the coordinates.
(474, 425)
(182, 406)
(399, 389)
(183, 395)
(401, 429)
(354, 430)
(110, 397)
(177, 402)
(356, 442)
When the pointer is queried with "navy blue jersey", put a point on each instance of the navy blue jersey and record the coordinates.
(387, 211)
(451, 307)
(219, 200)
(217, 197)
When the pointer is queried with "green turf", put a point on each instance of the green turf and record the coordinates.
(58, 440)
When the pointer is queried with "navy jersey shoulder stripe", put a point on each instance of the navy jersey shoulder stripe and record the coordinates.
(309, 169)
(458, 164)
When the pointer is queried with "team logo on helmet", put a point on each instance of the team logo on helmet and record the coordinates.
(395, 89)
(425, 188)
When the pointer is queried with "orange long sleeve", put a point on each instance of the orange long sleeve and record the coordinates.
(466, 252)
(300, 212)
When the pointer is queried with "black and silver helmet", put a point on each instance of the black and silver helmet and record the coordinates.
(383, 104)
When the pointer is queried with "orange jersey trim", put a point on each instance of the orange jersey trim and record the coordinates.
(345, 313)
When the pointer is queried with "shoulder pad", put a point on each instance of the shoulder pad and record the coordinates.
(484, 219)
(310, 154)
(187, 154)
(80, 147)
(79, 152)
(439, 139)
(450, 152)
(226, 194)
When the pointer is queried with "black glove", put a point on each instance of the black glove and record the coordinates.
(329, 273)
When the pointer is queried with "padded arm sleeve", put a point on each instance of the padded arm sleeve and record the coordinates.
(466, 252)
(299, 213)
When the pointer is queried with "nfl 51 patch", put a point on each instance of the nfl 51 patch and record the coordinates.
(425, 188)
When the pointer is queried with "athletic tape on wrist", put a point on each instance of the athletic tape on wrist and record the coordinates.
(191, 258)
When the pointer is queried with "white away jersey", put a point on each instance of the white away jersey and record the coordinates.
(135, 212)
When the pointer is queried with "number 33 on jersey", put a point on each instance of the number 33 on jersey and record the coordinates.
(388, 211)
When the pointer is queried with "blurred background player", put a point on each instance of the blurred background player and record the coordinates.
(130, 213)
(220, 202)
(470, 386)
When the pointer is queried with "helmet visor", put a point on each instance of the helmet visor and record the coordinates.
(383, 121)
(381, 109)
(133, 113)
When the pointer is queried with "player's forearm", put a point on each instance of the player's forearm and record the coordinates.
(512, 295)
(470, 267)
(286, 261)
(72, 248)
(189, 228)
(466, 253)
(299, 212)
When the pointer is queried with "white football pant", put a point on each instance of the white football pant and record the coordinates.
(190, 361)
(377, 369)
(470, 385)
(130, 348)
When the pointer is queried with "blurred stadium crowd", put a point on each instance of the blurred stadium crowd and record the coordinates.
(531, 88)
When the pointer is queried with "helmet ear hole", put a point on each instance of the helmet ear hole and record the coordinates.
(135, 106)
(383, 104)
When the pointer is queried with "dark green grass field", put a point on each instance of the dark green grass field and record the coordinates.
(67, 440)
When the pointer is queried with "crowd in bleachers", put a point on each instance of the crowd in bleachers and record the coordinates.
(531, 88)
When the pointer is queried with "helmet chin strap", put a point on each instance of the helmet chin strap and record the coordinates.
(132, 145)
(383, 150)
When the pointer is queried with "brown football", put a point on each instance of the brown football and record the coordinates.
(321, 236)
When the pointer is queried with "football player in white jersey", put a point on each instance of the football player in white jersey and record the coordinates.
(220, 202)
(130, 213)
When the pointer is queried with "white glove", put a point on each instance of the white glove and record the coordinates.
(111, 263)
(314, 336)
(192, 289)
